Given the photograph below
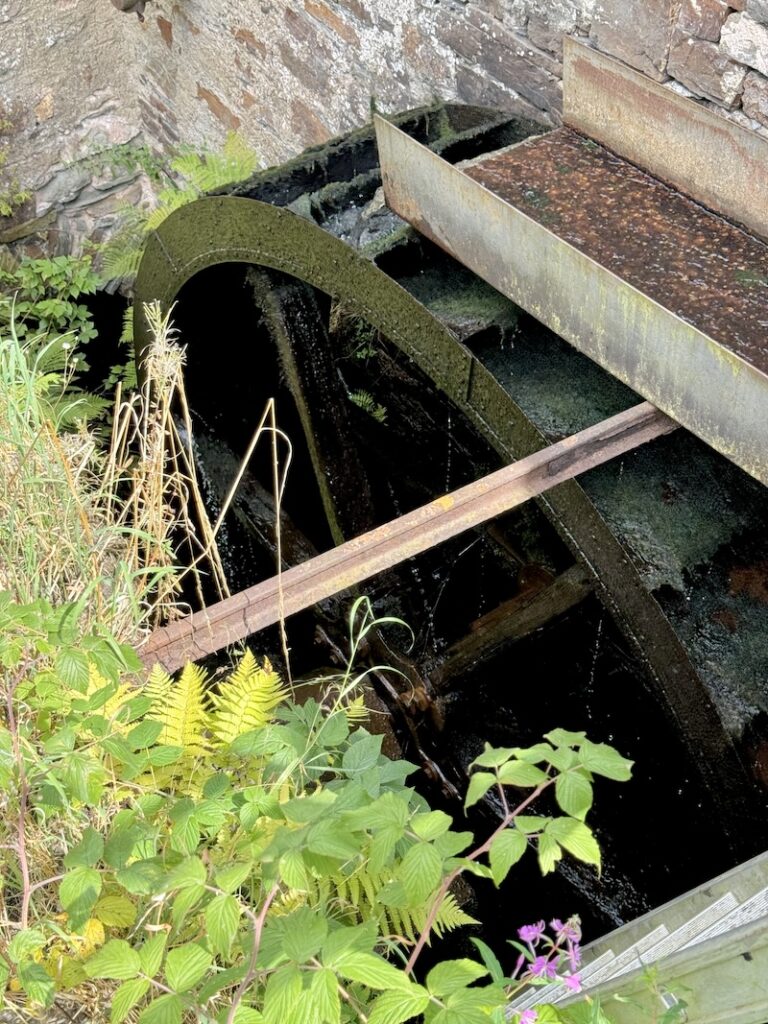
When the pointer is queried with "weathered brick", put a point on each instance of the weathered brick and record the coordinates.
(323, 13)
(700, 66)
(746, 41)
(754, 100)
(702, 19)
(639, 33)
(508, 57)
(307, 124)
(476, 88)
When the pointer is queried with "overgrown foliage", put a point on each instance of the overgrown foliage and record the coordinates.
(191, 851)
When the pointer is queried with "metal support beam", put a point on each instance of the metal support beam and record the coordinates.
(716, 161)
(718, 389)
(357, 560)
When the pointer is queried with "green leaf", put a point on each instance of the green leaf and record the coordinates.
(420, 871)
(304, 932)
(189, 872)
(507, 849)
(490, 960)
(142, 878)
(604, 760)
(332, 839)
(358, 938)
(186, 965)
(117, 960)
(520, 773)
(222, 917)
(431, 825)
(530, 823)
(493, 757)
(577, 838)
(115, 911)
(564, 738)
(293, 871)
(282, 995)
(126, 997)
(144, 734)
(78, 892)
(479, 784)
(451, 975)
(371, 970)
(87, 852)
(549, 853)
(151, 954)
(362, 753)
(24, 944)
(324, 995)
(37, 983)
(231, 878)
(165, 1010)
(397, 1007)
(119, 846)
(573, 791)
(72, 669)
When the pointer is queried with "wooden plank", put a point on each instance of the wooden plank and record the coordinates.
(363, 557)
(511, 621)
(713, 160)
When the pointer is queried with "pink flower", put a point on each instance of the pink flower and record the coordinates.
(572, 982)
(528, 1017)
(570, 930)
(543, 967)
(531, 932)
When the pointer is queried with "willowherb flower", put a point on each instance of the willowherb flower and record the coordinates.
(543, 967)
(571, 930)
(531, 932)
(572, 982)
(528, 1017)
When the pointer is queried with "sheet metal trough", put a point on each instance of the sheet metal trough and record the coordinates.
(591, 280)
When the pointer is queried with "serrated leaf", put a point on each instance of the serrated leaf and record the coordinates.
(292, 870)
(431, 825)
(87, 852)
(576, 838)
(604, 760)
(451, 975)
(189, 872)
(37, 983)
(151, 954)
(493, 757)
(564, 738)
(117, 960)
(282, 995)
(120, 844)
(324, 995)
(573, 792)
(72, 669)
(186, 965)
(371, 970)
(479, 784)
(165, 1010)
(420, 871)
(530, 823)
(231, 878)
(24, 944)
(144, 734)
(115, 911)
(222, 917)
(549, 853)
(126, 997)
(520, 773)
(78, 891)
(331, 839)
(397, 1007)
(507, 849)
(304, 932)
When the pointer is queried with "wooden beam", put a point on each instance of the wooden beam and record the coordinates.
(359, 559)
(513, 620)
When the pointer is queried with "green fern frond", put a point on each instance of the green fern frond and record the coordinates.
(356, 711)
(205, 172)
(183, 712)
(364, 400)
(246, 700)
(158, 685)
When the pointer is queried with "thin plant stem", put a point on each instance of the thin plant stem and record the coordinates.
(250, 974)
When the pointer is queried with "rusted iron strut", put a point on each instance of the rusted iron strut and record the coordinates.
(359, 559)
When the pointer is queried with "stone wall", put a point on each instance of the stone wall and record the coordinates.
(77, 75)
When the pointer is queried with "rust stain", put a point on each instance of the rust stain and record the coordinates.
(251, 43)
(323, 13)
(218, 108)
(710, 273)
(751, 580)
(166, 31)
(726, 619)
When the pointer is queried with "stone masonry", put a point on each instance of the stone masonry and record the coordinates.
(77, 76)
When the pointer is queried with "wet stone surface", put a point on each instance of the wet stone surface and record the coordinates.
(709, 272)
